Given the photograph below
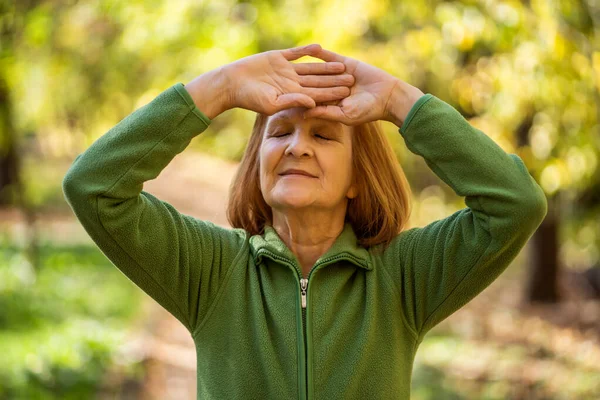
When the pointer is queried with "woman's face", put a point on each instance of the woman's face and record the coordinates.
(319, 147)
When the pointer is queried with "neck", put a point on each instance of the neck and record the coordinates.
(308, 235)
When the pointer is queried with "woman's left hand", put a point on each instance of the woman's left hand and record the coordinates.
(376, 95)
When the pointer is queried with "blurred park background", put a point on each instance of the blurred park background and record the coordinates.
(527, 73)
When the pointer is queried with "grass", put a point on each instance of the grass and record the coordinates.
(61, 327)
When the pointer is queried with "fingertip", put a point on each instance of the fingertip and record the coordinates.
(314, 47)
(309, 102)
(309, 49)
(339, 66)
(344, 91)
(307, 114)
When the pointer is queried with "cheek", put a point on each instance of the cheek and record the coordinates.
(339, 166)
(269, 154)
(268, 159)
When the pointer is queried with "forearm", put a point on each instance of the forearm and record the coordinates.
(210, 92)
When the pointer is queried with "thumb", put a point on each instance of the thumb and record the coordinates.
(328, 112)
(296, 52)
(290, 100)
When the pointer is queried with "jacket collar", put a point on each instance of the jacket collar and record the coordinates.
(345, 247)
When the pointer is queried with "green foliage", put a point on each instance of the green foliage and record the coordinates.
(526, 73)
(60, 330)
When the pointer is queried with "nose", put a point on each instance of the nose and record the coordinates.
(299, 144)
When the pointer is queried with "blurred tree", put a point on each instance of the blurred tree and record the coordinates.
(12, 190)
(575, 20)
(9, 161)
(525, 73)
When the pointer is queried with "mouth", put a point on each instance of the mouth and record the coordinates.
(295, 172)
(296, 176)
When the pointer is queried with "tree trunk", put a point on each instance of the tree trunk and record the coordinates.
(9, 176)
(542, 285)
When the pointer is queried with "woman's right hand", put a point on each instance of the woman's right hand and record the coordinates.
(268, 82)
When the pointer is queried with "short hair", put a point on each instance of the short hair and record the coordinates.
(378, 213)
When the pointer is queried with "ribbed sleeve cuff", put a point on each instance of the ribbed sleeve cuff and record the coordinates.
(422, 100)
(180, 87)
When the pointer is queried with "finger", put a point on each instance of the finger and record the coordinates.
(331, 113)
(319, 68)
(329, 103)
(329, 56)
(320, 95)
(290, 100)
(320, 81)
(296, 52)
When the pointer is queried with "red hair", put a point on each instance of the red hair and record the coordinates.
(378, 213)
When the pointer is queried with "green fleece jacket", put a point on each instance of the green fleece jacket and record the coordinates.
(241, 297)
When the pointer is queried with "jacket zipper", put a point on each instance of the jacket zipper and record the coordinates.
(304, 390)
(303, 287)
(303, 297)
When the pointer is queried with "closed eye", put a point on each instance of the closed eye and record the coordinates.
(287, 133)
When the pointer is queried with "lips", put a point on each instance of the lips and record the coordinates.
(297, 172)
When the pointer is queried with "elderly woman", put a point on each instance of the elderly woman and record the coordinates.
(318, 291)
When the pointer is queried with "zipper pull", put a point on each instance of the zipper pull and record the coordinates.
(303, 285)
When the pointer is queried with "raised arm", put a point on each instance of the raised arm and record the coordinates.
(178, 260)
(448, 262)
(440, 267)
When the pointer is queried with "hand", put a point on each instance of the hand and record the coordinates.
(375, 95)
(268, 82)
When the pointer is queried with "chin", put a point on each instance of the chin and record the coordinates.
(290, 201)
(293, 203)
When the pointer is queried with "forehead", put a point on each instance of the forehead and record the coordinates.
(294, 115)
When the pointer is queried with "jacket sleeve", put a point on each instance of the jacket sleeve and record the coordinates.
(442, 266)
(178, 260)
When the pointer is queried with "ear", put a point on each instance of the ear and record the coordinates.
(352, 192)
